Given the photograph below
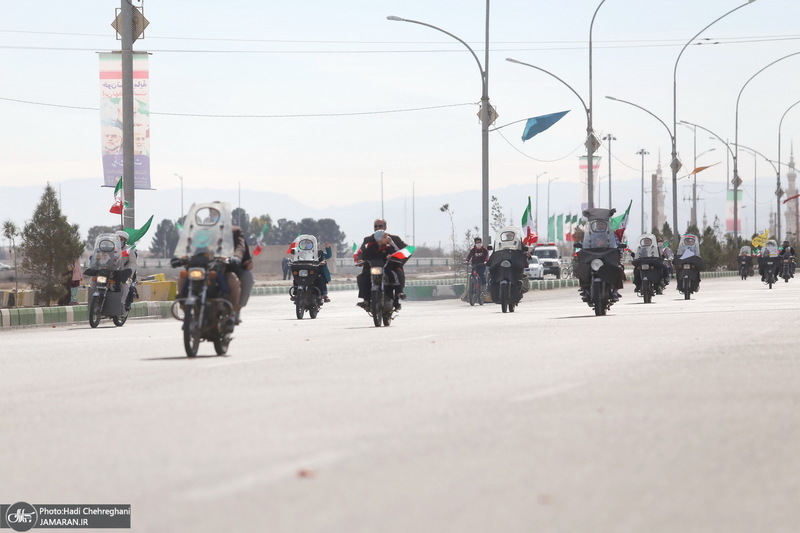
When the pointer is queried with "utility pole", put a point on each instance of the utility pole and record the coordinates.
(642, 153)
(126, 33)
(610, 137)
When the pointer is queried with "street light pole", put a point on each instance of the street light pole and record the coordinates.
(183, 213)
(775, 168)
(486, 112)
(536, 223)
(551, 180)
(778, 191)
(642, 153)
(590, 139)
(675, 164)
(610, 137)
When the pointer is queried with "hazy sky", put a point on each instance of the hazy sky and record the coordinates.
(281, 72)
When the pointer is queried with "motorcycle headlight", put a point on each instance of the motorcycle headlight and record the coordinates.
(197, 274)
(302, 273)
(376, 271)
(596, 264)
(645, 267)
(505, 263)
(102, 279)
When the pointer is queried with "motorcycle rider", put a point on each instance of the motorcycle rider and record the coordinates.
(129, 256)
(244, 271)
(770, 249)
(787, 250)
(379, 245)
(478, 256)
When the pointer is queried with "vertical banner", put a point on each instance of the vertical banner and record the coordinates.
(111, 118)
(729, 216)
(584, 178)
(551, 229)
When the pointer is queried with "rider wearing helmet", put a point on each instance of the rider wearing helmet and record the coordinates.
(787, 250)
(380, 244)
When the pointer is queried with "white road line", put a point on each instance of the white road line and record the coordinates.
(413, 338)
(542, 393)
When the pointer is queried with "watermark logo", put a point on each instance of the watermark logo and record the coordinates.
(21, 516)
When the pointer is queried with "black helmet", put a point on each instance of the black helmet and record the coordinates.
(786, 243)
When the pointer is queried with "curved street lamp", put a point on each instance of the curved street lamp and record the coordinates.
(675, 165)
(486, 113)
(590, 140)
(778, 191)
(642, 153)
(736, 180)
(755, 182)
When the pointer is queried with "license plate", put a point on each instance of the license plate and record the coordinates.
(303, 273)
(645, 267)
(687, 267)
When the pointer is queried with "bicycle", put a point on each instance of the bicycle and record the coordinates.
(475, 287)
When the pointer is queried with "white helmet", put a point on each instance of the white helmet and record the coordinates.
(122, 234)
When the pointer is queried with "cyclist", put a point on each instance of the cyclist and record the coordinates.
(478, 256)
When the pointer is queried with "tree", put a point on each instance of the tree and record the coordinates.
(49, 245)
(165, 239)
(256, 225)
(241, 219)
(498, 218)
(329, 231)
(284, 232)
(10, 232)
(94, 231)
(666, 233)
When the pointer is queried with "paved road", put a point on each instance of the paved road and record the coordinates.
(670, 417)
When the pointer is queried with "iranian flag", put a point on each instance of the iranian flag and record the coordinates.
(527, 226)
(118, 203)
(260, 240)
(405, 253)
(619, 223)
(355, 250)
(292, 245)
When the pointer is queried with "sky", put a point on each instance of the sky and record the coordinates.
(324, 102)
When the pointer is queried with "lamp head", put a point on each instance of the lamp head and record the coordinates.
(611, 98)
(392, 17)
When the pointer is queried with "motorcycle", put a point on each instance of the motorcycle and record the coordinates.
(769, 263)
(507, 269)
(787, 268)
(648, 268)
(203, 305)
(745, 262)
(688, 265)
(598, 265)
(383, 293)
(109, 288)
(306, 270)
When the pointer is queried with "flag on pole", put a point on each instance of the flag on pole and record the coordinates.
(292, 245)
(551, 229)
(568, 232)
(619, 223)
(560, 227)
(135, 234)
(118, 204)
(405, 253)
(537, 125)
(527, 226)
(260, 239)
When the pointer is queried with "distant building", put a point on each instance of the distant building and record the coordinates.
(791, 228)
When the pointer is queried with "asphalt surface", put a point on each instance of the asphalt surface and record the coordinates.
(675, 416)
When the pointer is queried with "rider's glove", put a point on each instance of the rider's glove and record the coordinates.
(235, 261)
(176, 262)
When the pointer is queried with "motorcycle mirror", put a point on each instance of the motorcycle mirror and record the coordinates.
(578, 245)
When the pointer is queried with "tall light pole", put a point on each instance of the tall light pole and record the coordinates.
(551, 180)
(642, 153)
(536, 216)
(672, 139)
(778, 190)
(610, 137)
(487, 114)
(736, 180)
(591, 141)
(183, 213)
(675, 164)
(775, 168)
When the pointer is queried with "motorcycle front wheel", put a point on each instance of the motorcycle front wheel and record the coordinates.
(646, 292)
(191, 331)
(687, 288)
(95, 311)
(376, 304)
(598, 291)
(299, 302)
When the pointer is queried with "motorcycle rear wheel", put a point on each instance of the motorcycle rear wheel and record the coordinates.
(119, 321)
(191, 331)
(221, 345)
(95, 311)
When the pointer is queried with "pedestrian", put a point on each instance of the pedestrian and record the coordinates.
(286, 265)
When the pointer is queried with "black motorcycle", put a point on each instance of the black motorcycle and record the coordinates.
(769, 266)
(383, 293)
(599, 268)
(506, 273)
(745, 265)
(105, 299)
(688, 275)
(202, 306)
(304, 292)
(787, 268)
(650, 271)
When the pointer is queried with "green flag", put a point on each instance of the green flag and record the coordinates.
(136, 234)
(560, 227)
(551, 228)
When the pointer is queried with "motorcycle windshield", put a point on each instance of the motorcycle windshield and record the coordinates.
(306, 249)
(207, 230)
(107, 253)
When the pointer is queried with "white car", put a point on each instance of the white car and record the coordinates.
(535, 268)
(4, 266)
